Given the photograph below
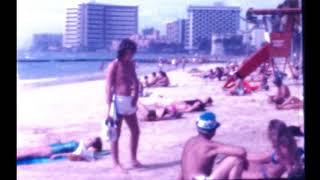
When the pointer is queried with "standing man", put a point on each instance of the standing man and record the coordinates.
(121, 77)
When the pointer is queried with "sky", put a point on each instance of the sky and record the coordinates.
(42, 16)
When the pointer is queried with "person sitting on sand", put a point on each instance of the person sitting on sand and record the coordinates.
(73, 150)
(219, 73)
(145, 82)
(283, 99)
(153, 79)
(286, 156)
(211, 74)
(162, 80)
(200, 152)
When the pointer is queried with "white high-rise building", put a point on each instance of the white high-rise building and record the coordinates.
(175, 31)
(205, 21)
(71, 36)
(93, 26)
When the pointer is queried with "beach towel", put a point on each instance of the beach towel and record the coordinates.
(39, 160)
(64, 147)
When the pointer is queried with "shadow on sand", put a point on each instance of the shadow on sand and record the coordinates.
(158, 165)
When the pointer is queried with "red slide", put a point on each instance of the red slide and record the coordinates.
(251, 64)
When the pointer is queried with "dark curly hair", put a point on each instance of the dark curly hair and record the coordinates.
(125, 46)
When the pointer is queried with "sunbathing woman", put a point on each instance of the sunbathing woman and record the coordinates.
(192, 105)
(73, 150)
(156, 113)
(173, 110)
(286, 157)
(283, 99)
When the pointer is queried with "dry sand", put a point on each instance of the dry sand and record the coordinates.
(75, 111)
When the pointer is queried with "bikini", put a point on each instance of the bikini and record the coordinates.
(275, 161)
(201, 106)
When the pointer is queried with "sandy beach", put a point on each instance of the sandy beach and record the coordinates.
(75, 111)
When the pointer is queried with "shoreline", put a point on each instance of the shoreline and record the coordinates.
(44, 82)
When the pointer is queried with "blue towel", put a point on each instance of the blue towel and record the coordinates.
(64, 147)
(38, 160)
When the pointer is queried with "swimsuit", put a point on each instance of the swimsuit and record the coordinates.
(200, 177)
(64, 147)
(192, 102)
(122, 105)
(275, 161)
(263, 169)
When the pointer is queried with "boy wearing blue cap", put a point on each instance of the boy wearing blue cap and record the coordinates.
(200, 152)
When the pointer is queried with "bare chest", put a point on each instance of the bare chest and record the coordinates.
(124, 73)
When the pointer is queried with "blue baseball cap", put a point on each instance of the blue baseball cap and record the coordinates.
(207, 122)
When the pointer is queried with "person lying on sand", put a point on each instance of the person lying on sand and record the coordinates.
(242, 88)
(156, 113)
(192, 105)
(195, 70)
(73, 150)
(286, 156)
(173, 110)
(209, 74)
(283, 99)
(200, 152)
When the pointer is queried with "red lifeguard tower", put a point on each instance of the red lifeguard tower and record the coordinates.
(279, 46)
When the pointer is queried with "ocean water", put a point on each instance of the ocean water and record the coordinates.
(57, 69)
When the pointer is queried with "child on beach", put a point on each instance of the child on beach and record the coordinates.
(121, 77)
(286, 156)
(200, 152)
